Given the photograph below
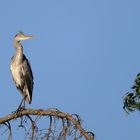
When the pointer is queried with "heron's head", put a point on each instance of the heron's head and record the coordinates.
(22, 36)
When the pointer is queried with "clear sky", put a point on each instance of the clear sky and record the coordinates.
(84, 58)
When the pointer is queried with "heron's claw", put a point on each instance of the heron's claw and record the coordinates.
(19, 110)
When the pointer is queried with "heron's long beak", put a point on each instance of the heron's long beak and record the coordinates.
(25, 37)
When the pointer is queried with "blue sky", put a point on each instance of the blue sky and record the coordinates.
(84, 58)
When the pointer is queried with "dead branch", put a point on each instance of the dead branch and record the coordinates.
(65, 117)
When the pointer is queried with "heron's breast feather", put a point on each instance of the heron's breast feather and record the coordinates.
(16, 72)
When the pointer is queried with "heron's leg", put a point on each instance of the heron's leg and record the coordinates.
(20, 105)
(24, 102)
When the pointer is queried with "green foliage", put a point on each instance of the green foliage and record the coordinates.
(132, 99)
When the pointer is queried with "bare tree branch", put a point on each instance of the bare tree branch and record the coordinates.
(67, 121)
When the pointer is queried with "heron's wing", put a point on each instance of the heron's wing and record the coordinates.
(27, 75)
(27, 67)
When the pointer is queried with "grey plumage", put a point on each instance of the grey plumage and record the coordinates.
(21, 69)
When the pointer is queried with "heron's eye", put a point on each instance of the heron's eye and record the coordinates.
(16, 35)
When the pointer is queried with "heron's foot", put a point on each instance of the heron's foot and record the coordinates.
(19, 110)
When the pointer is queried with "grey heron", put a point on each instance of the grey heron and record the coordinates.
(21, 69)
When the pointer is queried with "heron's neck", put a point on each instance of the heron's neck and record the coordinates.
(19, 50)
